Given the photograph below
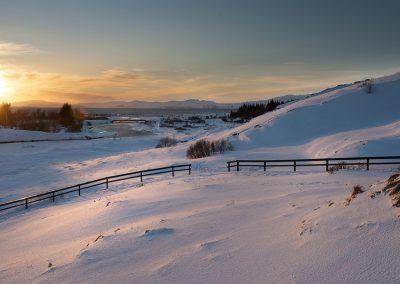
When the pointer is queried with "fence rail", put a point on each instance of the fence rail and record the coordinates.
(25, 201)
(322, 162)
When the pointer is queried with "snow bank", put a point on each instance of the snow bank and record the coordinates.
(226, 228)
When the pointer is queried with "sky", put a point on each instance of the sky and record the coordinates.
(221, 50)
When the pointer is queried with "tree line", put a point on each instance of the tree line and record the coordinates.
(249, 111)
(49, 120)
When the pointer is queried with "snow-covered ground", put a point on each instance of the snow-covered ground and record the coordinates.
(97, 129)
(221, 228)
(335, 112)
(214, 226)
(13, 135)
(41, 166)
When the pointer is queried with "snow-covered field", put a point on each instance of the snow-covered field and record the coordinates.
(214, 226)
(222, 228)
(13, 135)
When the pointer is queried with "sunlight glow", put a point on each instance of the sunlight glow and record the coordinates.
(3, 87)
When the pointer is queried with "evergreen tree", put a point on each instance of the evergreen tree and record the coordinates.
(66, 116)
(249, 111)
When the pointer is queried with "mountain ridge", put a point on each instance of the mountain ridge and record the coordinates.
(173, 104)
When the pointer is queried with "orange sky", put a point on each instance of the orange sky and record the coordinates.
(227, 51)
(118, 84)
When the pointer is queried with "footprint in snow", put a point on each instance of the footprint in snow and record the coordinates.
(306, 227)
(155, 233)
(366, 225)
(209, 245)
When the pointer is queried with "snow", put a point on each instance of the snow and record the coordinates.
(338, 111)
(230, 228)
(379, 141)
(213, 226)
(14, 135)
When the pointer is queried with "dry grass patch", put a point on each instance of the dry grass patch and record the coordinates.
(393, 188)
(335, 168)
(166, 142)
(357, 189)
(204, 148)
(392, 181)
(344, 166)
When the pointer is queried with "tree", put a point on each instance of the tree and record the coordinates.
(66, 115)
(78, 115)
(5, 115)
(249, 111)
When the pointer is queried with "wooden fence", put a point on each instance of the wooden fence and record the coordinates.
(328, 163)
(25, 201)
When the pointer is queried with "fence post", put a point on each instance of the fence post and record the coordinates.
(53, 196)
(106, 183)
(367, 164)
(141, 176)
(237, 166)
(26, 203)
(229, 166)
(294, 165)
(265, 166)
(172, 171)
(79, 189)
(327, 164)
(190, 169)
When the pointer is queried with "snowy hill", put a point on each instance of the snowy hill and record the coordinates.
(337, 114)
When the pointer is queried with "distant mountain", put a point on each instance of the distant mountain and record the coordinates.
(36, 103)
(187, 104)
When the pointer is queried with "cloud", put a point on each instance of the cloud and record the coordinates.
(119, 74)
(120, 84)
(15, 49)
